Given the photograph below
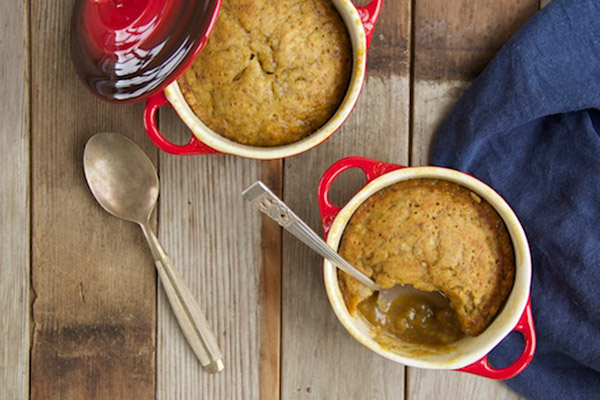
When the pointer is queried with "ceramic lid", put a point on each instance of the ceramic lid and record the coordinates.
(128, 50)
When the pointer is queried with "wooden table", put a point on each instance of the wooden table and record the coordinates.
(83, 315)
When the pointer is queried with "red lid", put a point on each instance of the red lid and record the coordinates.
(128, 50)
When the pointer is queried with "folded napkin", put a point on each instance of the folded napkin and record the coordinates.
(529, 126)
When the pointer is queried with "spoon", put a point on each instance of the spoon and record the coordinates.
(276, 209)
(124, 182)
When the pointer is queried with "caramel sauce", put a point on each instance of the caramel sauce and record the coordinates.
(412, 318)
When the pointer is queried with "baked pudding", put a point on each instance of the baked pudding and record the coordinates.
(272, 72)
(436, 236)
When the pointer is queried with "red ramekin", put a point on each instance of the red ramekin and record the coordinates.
(470, 353)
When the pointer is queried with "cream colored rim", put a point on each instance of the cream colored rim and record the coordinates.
(468, 350)
(204, 134)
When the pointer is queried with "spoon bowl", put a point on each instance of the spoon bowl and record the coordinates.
(121, 177)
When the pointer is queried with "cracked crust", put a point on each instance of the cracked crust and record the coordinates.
(272, 72)
(434, 235)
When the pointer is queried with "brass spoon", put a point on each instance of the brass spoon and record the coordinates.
(124, 182)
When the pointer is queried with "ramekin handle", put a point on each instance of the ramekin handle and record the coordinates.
(525, 326)
(372, 170)
(193, 147)
(368, 16)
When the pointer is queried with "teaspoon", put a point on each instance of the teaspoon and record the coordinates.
(123, 180)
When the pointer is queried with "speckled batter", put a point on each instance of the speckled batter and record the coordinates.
(434, 235)
(272, 72)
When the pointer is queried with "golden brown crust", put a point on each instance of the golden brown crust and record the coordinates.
(434, 235)
(272, 72)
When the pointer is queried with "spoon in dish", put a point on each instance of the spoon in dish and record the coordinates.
(266, 201)
(123, 180)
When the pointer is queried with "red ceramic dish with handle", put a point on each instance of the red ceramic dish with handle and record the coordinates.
(470, 353)
(360, 22)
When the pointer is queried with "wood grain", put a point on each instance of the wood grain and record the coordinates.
(456, 40)
(269, 375)
(15, 203)
(319, 358)
(432, 101)
(95, 332)
(453, 43)
(93, 276)
(213, 237)
(429, 384)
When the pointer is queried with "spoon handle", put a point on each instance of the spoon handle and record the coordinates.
(272, 206)
(191, 319)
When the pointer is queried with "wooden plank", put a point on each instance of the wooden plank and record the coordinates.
(453, 43)
(454, 385)
(213, 236)
(433, 100)
(93, 276)
(319, 358)
(15, 203)
(269, 375)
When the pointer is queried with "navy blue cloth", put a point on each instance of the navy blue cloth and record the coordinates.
(529, 126)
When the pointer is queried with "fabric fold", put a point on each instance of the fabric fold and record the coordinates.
(529, 127)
